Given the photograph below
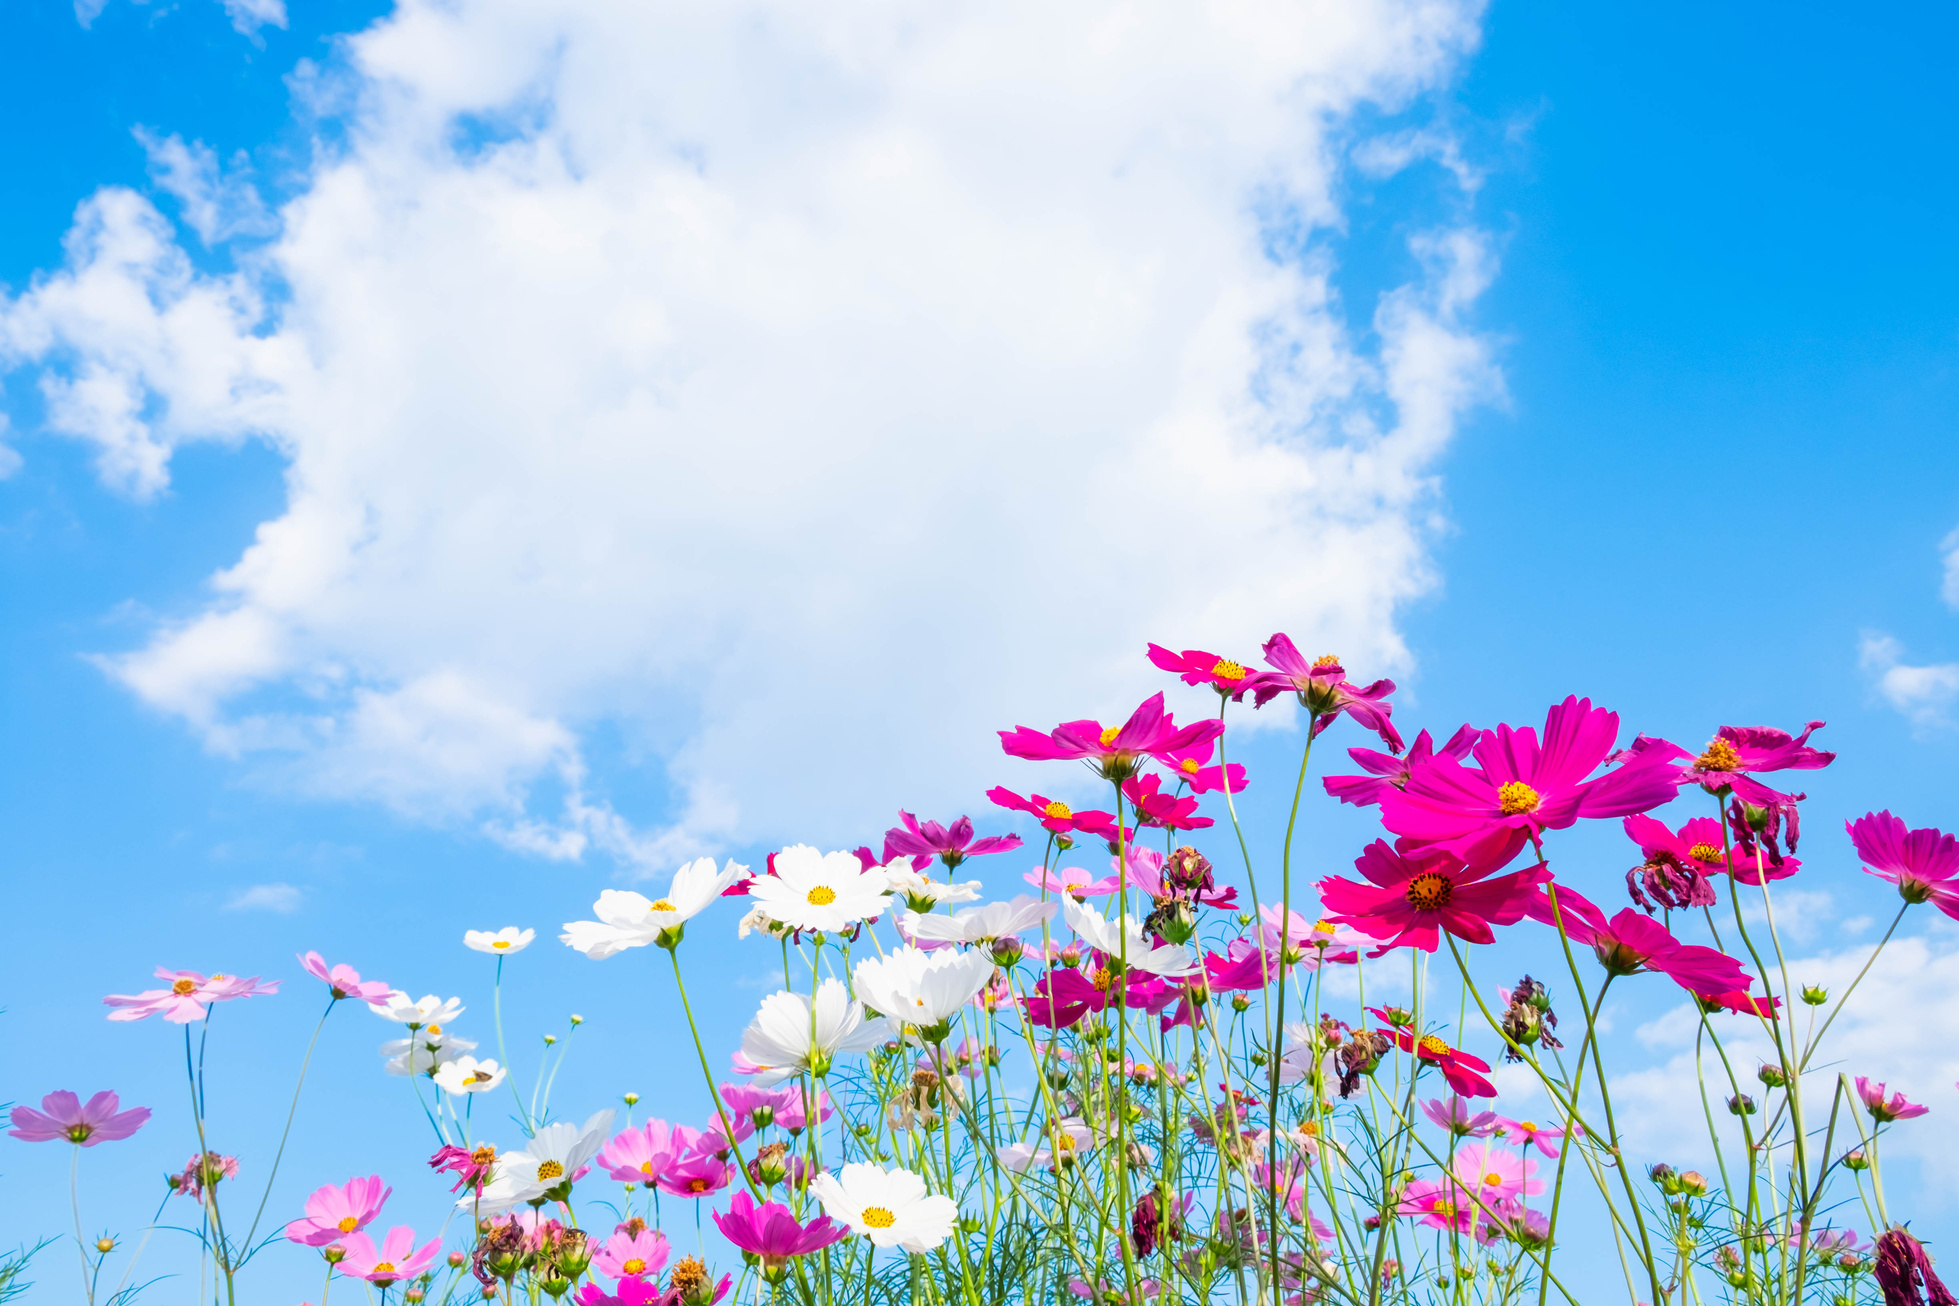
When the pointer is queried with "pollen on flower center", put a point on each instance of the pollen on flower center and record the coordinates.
(1493, 1180)
(1058, 811)
(697, 1185)
(483, 1155)
(634, 1266)
(183, 988)
(663, 905)
(1429, 892)
(1109, 735)
(1188, 766)
(1720, 755)
(384, 1267)
(348, 1224)
(500, 943)
(1226, 669)
(1704, 852)
(1446, 1209)
(646, 1168)
(1516, 798)
(879, 1218)
(822, 895)
(1064, 1143)
(1433, 1045)
(549, 1170)
(1327, 660)
(1528, 1126)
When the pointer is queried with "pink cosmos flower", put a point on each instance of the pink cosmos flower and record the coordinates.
(640, 1156)
(1163, 811)
(1193, 766)
(771, 1232)
(336, 1210)
(1242, 969)
(1455, 1116)
(924, 840)
(396, 1258)
(1073, 881)
(627, 1254)
(1632, 942)
(206, 1170)
(1922, 863)
(1528, 1133)
(1458, 1067)
(343, 980)
(699, 1175)
(1196, 667)
(1726, 764)
(1495, 1174)
(1055, 816)
(1697, 847)
(1323, 691)
(1886, 1110)
(1284, 932)
(471, 1168)
(1448, 1206)
(792, 1111)
(190, 992)
(1409, 900)
(1116, 751)
(632, 1292)
(1521, 787)
(1386, 771)
(64, 1115)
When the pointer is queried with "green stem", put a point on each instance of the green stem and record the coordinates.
(287, 1131)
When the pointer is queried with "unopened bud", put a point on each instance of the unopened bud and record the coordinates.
(1063, 842)
(1663, 1175)
(1399, 1018)
(1693, 1183)
(1856, 1160)
(1007, 951)
(1815, 994)
(413, 1295)
(550, 1040)
(1741, 1105)
(457, 1260)
(630, 1099)
(1772, 1075)
(105, 1245)
(576, 1020)
(334, 1253)
(1240, 1003)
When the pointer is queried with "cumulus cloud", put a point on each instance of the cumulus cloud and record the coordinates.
(247, 16)
(217, 202)
(795, 393)
(265, 897)
(1924, 694)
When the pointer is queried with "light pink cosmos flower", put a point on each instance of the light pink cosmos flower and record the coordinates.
(336, 1210)
(771, 1232)
(1496, 1175)
(343, 980)
(397, 1258)
(1116, 751)
(1456, 1117)
(1885, 1110)
(63, 1115)
(626, 1253)
(1386, 771)
(1922, 863)
(1528, 1133)
(206, 1170)
(1073, 881)
(190, 992)
(1408, 901)
(1448, 1206)
(1323, 690)
(1521, 787)
(642, 1155)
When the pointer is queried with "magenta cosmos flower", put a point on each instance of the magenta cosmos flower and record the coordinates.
(699, 1175)
(923, 840)
(1153, 807)
(336, 1210)
(1726, 764)
(1521, 787)
(1196, 667)
(1323, 691)
(190, 992)
(1632, 942)
(1459, 1069)
(1055, 816)
(343, 980)
(770, 1232)
(1115, 751)
(1193, 766)
(1922, 863)
(1386, 771)
(64, 1115)
(396, 1258)
(1696, 846)
(1409, 900)
(1882, 1109)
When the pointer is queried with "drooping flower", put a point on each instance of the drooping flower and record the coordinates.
(1386, 771)
(204, 1171)
(783, 1041)
(1903, 1268)
(1697, 846)
(922, 991)
(1924, 864)
(1458, 1068)
(1193, 766)
(343, 981)
(1882, 1109)
(429, 1012)
(638, 1156)
(397, 1257)
(471, 1166)
(700, 1175)
(1324, 691)
(984, 924)
(551, 1159)
(1455, 1116)
(1521, 787)
(631, 1252)
(1116, 751)
(819, 891)
(890, 1207)
(63, 1115)
(771, 1232)
(1196, 667)
(1055, 816)
(1164, 811)
(923, 840)
(1408, 900)
(468, 1075)
(190, 992)
(503, 942)
(631, 920)
(1631, 942)
(336, 1210)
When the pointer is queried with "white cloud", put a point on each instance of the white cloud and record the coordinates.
(1949, 556)
(218, 203)
(802, 393)
(1922, 693)
(10, 459)
(247, 16)
(265, 897)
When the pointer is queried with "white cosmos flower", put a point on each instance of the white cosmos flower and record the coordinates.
(890, 1207)
(820, 891)
(468, 1075)
(507, 940)
(632, 920)
(995, 920)
(427, 1051)
(552, 1157)
(783, 1041)
(916, 988)
(1069, 1140)
(922, 892)
(429, 1012)
(1107, 936)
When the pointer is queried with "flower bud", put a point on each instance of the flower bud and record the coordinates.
(1063, 842)
(1741, 1105)
(1398, 1018)
(550, 1040)
(630, 1099)
(1693, 1183)
(1856, 1160)
(1815, 994)
(1007, 951)
(576, 1020)
(489, 1291)
(334, 1253)
(1772, 1075)
(1240, 1003)
(556, 1287)
(1663, 1175)
(413, 1296)
(457, 1260)
(105, 1245)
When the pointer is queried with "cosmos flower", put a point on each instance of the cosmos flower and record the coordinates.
(890, 1207)
(552, 1158)
(921, 892)
(629, 1253)
(1454, 1116)
(429, 1011)
(1632, 942)
(919, 990)
(984, 924)
(1697, 848)
(1882, 1109)
(397, 1258)
(63, 1115)
(1164, 811)
(1922, 863)
(1521, 787)
(1116, 751)
(771, 1233)
(1459, 1068)
(1528, 1133)
(784, 1041)
(1409, 900)
(1386, 771)
(424, 1052)
(821, 891)
(507, 940)
(1728, 763)
(343, 980)
(1073, 881)
(468, 1075)
(336, 1210)
(923, 840)
(1126, 941)
(189, 994)
(1324, 691)
(631, 920)
(638, 1156)
(700, 1175)
(1055, 816)
(1193, 766)
(1496, 1175)
(1196, 667)
(1063, 996)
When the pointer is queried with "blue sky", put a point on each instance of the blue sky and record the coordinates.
(1693, 460)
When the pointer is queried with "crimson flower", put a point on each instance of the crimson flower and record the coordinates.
(1193, 766)
(343, 980)
(1386, 771)
(1323, 691)
(770, 1231)
(1409, 899)
(1922, 863)
(1632, 942)
(924, 840)
(1063, 996)
(1520, 787)
(64, 1115)
(1196, 667)
(1164, 811)
(1458, 1067)
(1055, 816)
(1116, 751)
(1697, 845)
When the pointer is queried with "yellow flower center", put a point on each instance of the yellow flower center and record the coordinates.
(1433, 1045)
(879, 1218)
(549, 1170)
(1064, 1142)
(183, 988)
(1445, 1208)
(663, 905)
(1493, 1180)
(822, 895)
(1323, 927)
(634, 1266)
(435, 1029)
(500, 943)
(483, 1155)
(1528, 1126)
(1704, 852)
(1109, 735)
(1226, 669)
(348, 1224)
(1327, 660)
(384, 1267)
(1720, 755)
(1429, 892)
(1516, 798)
(646, 1168)
(697, 1185)
(1188, 766)
(1058, 811)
